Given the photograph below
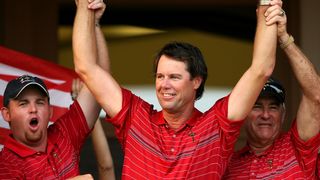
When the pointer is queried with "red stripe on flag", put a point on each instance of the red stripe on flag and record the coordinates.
(34, 64)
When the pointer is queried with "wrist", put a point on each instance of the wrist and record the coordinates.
(283, 38)
(285, 41)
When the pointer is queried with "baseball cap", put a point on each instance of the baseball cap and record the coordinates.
(273, 88)
(16, 86)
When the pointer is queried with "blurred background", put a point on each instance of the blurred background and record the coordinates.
(136, 30)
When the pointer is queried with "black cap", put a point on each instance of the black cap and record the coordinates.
(16, 86)
(273, 88)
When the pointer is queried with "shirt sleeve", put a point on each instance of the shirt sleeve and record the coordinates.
(306, 151)
(122, 121)
(73, 125)
(229, 130)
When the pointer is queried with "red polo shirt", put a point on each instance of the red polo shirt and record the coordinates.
(318, 166)
(61, 159)
(200, 149)
(288, 158)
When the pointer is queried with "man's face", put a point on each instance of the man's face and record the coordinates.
(263, 124)
(28, 116)
(174, 88)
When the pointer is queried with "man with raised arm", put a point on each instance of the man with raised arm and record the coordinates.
(178, 142)
(270, 154)
(35, 151)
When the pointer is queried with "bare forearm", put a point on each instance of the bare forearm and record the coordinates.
(103, 53)
(265, 44)
(83, 38)
(304, 70)
(308, 115)
(102, 152)
(249, 86)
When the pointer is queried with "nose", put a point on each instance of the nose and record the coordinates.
(33, 108)
(266, 114)
(165, 83)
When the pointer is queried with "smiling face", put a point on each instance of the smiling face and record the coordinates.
(28, 116)
(263, 124)
(174, 87)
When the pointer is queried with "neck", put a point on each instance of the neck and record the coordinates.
(39, 146)
(259, 149)
(176, 120)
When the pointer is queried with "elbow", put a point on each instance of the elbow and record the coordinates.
(317, 99)
(263, 73)
(80, 69)
(106, 167)
(268, 70)
(264, 66)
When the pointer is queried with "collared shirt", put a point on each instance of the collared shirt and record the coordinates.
(288, 158)
(61, 159)
(199, 149)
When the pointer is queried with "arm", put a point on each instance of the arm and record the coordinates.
(85, 40)
(102, 152)
(308, 115)
(88, 104)
(99, 141)
(246, 91)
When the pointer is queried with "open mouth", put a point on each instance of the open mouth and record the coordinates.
(264, 124)
(34, 122)
(168, 94)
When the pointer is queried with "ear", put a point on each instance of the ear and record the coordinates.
(50, 112)
(5, 114)
(197, 82)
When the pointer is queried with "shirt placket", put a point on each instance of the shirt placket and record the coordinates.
(254, 166)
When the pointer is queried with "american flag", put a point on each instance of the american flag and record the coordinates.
(57, 78)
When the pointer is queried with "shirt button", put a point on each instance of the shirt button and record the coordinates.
(255, 161)
(252, 174)
(172, 149)
(174, 135)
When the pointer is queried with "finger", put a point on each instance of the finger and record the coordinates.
(77, 86)
(73, 86)
(80, 84)
(271, 9)
(96, 5)
(273, 13)
(276, 2)
(277, 19)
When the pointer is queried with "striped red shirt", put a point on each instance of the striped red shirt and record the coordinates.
(200, 149)
(288, 158)
(61, 159)
(318, 166)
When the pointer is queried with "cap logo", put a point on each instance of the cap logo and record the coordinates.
(25, 78)
(273, 87)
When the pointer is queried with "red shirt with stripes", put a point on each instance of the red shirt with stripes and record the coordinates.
(318, 166)
(61, 159)
(199, 149)
(288, 158)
